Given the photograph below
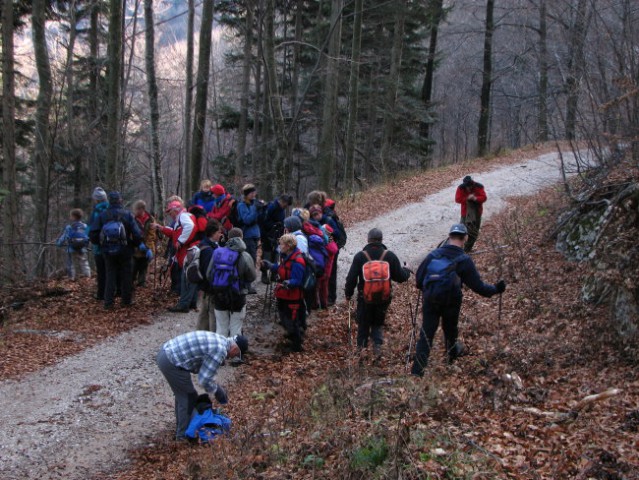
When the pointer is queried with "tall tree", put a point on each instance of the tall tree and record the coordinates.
(486, 81)
(9, 177)
(188, 98)
(247, 60)
(42, 149)
(353, 97)
(542, 119)
(576, 65)
(114, 71)
(326, 148)
(436, 11)
(152, 88)
(201, 93)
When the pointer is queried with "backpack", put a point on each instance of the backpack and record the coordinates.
(207, 423)
(341, 237)
(377, 282)
(199, 219)
(317, 251)
(310, 274)
(78, 238)
(234, 216)
(442, 284)
(192, 264)
(113, 236)
(224, 278)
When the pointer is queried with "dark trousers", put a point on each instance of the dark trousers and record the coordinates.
(118, 273)
(183, 391)
(251, 247)
(100, 270)
(473, 224)
(370, 323)
(332, 282)
(176, 278)
(431, 315)
(292, 315)
(140, 267)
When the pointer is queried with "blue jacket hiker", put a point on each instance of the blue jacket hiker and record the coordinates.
(76, 240)
(446, 268)
(99, 197)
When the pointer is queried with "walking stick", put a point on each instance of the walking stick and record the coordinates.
(268, 298)
(350, 330)
(413, 316)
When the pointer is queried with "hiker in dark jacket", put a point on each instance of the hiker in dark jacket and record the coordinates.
(212, 235)
(99, 198)
(447, 309)
(248, 211)
(272, 228)
(471, 196)
(204, 198)
(370, 318)
(141, 259)
(118, 262)
(339, 235)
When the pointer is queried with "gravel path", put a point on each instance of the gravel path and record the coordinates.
(79, 417)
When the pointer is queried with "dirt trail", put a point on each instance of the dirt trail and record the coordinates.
(79, 417)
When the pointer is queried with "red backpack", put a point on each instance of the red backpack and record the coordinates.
(377, 281)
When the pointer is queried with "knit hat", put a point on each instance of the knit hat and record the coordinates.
(235, 233)
(99, 195)
(375, 235)
(292, 224)
(242, 342)
(458, 228)
(218, 190)
(174, 205)
(467, 180)
(248, 188)
(115, 198)
(330, 203)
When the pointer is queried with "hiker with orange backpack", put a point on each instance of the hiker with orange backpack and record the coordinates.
(371, 272)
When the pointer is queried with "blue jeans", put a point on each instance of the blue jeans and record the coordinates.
(188, 293)
(431, 315)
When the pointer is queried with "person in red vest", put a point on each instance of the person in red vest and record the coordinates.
(183, 235)
(222, 206)
(471, 195)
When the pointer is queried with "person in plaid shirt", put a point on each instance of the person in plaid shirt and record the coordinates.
(198, 352)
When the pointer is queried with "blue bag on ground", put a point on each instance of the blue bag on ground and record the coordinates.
(207, 423)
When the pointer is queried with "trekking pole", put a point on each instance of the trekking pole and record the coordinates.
(350, 330)
(413, 316)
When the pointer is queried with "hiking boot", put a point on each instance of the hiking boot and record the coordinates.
(177, 309)
(251, 290)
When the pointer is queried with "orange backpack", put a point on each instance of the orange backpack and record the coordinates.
(377, 283)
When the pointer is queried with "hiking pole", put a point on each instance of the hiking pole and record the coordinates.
(350, 330)
(413, 316)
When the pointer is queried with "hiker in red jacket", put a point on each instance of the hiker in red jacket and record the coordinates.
(471, 195)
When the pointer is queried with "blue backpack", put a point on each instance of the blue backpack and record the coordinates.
(78, 238)
(224, 278)
(310, 276)
(113, 238)
(207, 423)
(441, 284)
(317, 251)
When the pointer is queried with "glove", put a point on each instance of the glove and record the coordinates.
(266, 265)
(220, 396)
(286, 284)
(149, 254)
(142, 247)
(500, 286)
(408, 271)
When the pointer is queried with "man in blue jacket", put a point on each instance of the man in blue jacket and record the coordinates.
(117, 249)
(248, 213)
(440, 277)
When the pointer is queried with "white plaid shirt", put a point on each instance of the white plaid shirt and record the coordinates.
(199, 352)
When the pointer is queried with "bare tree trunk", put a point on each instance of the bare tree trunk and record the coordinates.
(10, 264)
(201, 93)
(257, 117)
(152, 87)
(486, 84)
(436, 8)
(42, 148)
(280, 182)
(246, 86)
(542, 121)
(188, 100)
(326, 147)
(114, 71)
(295, 80)
(392, 86)
(578, 33)
(353, 98)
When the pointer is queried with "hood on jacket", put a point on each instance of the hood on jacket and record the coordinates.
(236, 244)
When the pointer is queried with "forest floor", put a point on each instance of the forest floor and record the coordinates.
(81, 397)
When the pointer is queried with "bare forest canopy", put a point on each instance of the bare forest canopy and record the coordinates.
(148, 97)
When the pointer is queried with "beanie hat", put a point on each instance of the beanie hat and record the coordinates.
(242, 342)
(218, 190)
(467, 180)
(330, 203)
(314, 209)
(115, 198)
(173, 206)
(292, 224)
(458, 228)
(99, 195)
(248, 188)
(235, 233)
(375, 235)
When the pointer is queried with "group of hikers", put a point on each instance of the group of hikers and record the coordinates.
(214, 244)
